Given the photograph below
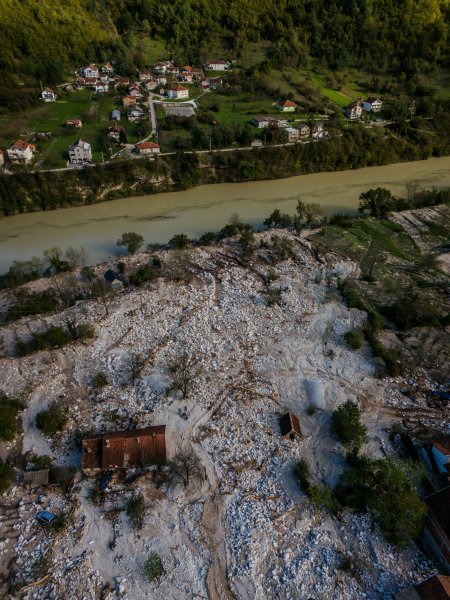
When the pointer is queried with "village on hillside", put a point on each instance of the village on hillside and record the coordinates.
(102, 116)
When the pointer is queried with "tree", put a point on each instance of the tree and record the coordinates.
(312, 213)
(7, 476)
(184, 371)
(378, 201)
(136, 509)
(131, 241)
(52, 420)
(153, 567)
(76, 257)
(384, 488)
(347, 427)
(180, 241)
(55, 261)
(102, 292)
(277, 219)
(185, 467)
(8, 417)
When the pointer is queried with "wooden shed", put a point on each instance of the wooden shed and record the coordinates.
(130, 449)
(35, 479)
(290, 426)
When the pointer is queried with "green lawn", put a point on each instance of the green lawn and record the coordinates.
(94, 110)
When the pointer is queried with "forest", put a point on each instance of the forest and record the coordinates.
(43, 41)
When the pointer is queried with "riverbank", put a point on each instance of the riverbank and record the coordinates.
(204, 208)
(357, 148)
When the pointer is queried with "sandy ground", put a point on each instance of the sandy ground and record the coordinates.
(245, 531)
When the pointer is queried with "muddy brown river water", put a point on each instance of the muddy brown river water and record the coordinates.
(205, 208)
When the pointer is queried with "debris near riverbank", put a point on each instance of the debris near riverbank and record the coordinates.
(265, 335)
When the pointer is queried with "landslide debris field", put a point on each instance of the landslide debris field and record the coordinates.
(266, 330)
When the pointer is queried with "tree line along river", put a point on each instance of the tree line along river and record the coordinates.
(205, 208)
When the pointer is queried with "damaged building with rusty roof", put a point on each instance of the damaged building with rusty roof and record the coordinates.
(130, 449)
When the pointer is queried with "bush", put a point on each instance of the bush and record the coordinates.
(100, 380)
(153, 567)
(144, 273)
(354, 339)
(136, 509)
(40, 462)
(52, 420)
(7, 476)
(53, 337)
(347, 427)
(32, 304)
(8, 417)
(301, 472)
(180, 241)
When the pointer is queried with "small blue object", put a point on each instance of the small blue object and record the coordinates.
(45, 517)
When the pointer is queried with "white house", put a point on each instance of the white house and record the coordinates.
(217, 65)
(80, 153)
(145, 75)
(48, 95)
(135, 114)
(147, 148)
(292, 134)
(286, 106)
(90, 71)
(161, 67)
(101, 87)
(372, 105)
(178, 91)
(261, 122)
(441, 453)
(21, 151)
(353, 111)
(303, 130)
(108, 69)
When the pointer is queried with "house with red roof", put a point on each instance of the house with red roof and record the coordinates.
(178, 91)
(286, 106)
(147, 148)
(21, 151)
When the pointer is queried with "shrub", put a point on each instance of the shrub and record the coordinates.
(7, 476)
(301, 472)
(8, 417)
(180, 241)
(53, 337)
(153, 567)
(347, 427)
(32, 304)
(52, 420)
(273, 296)
(354, 339)
(40, 462)
(136, 509)
(142, 274)
(322, 496)
(100, 380)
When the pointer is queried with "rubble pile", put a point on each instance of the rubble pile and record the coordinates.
(255, 360)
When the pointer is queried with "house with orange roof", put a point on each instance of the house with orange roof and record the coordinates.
(128, 101)
(178, 91)
(286, 106)
(147, 148)
(21, 151)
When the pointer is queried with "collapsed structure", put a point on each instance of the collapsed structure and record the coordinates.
(124, 449)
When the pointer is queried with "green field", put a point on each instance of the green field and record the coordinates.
(94, 110)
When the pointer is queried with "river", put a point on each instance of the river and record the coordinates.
(205, 208)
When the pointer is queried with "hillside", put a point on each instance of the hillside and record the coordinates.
(42, 40)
